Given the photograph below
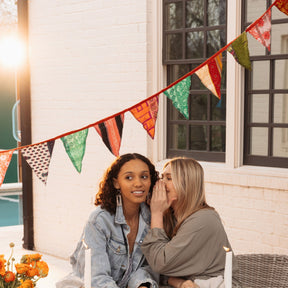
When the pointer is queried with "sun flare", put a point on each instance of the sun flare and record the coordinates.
(11, 52)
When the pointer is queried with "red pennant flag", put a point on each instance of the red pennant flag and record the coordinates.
(146, 114)
(38, 157)
(111, 133)
(5, 158)
(282, 5)
(261, 29)
(210, 75)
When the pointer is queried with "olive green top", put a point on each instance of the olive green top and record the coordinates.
(196, 251)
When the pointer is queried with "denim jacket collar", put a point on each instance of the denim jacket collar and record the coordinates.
(144, 210)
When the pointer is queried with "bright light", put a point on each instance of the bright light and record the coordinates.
(11, 52)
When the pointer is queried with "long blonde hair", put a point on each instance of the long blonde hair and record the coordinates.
(188, 179)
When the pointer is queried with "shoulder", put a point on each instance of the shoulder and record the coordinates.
(203, 217)
(99, 215)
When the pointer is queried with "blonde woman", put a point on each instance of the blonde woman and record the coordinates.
(186, 238)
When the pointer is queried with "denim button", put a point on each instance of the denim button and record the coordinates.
(141, 241)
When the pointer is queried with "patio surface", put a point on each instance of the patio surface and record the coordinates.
(58, 267)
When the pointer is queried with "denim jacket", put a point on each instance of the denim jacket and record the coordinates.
(104, 235)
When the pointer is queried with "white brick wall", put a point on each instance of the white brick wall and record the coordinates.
(91, 59)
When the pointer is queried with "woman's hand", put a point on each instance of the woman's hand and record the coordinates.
(188, 284)
(181, 283)
(159, 204)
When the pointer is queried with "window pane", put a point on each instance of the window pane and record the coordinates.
(259, 108)
(174, 113)
(216, 12)
(281, 74)
(196, 83)
(198, 138)
(280, 142)
(178, 140)
(279, 39)
(177, 71)
(174, 16)
(174, 46)
(215, 41)
(218, 108)
(260, 75)
(259, 141)
(280, 108)
(194, 14)
(195, 45)
(255, 48)
(255, 9)
(198, 107)
(218, 138)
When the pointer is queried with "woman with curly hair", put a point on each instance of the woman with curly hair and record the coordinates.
(116, 228)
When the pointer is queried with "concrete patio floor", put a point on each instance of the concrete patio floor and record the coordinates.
(58, 267)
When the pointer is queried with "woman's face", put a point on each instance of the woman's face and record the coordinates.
(170, 189)
(134, 181)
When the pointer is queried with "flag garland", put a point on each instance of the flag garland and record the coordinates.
(111, 133)
(261, 29)
(239, 50)
(179, 95)
(146, 114)
(38, 157)
(75, 145)
(210, 75)
(178, 91)
(5, 158)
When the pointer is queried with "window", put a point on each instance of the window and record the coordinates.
(194, 31)
(266, 91)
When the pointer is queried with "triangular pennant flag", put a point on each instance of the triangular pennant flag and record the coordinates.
(5, 158)
(179, 95)
(111, 133)
(210, 75)
(38, 157)
(282, 5)
(75, 145)
(239, 50)
(146, 114)
(261, 30)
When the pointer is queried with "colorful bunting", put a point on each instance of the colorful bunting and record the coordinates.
(111, 133)
(239, 50)
(146, 114)
(38, 157)
(210, 75)
(75, 145)
(282, 5)
(5, 158)
(179, 95)
(261, 31)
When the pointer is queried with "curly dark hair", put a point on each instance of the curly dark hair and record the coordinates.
(106, 196)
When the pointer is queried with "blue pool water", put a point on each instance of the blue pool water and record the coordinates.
(10, 210)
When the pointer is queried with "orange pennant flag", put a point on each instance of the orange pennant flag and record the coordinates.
(146, 114)
(5, 158)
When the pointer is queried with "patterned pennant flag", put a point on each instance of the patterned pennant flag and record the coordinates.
(75, 145)
(239, 50)
(5, 158)
(210, 75)
(38, 157)
(179, 95)
(261, 30)
(111, 133)
(146, 114)
(282, 5)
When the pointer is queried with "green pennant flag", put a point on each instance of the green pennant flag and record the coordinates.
(179, 95)
(239, 50)
(75, 145)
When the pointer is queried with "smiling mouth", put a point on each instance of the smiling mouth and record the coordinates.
(138, 192)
